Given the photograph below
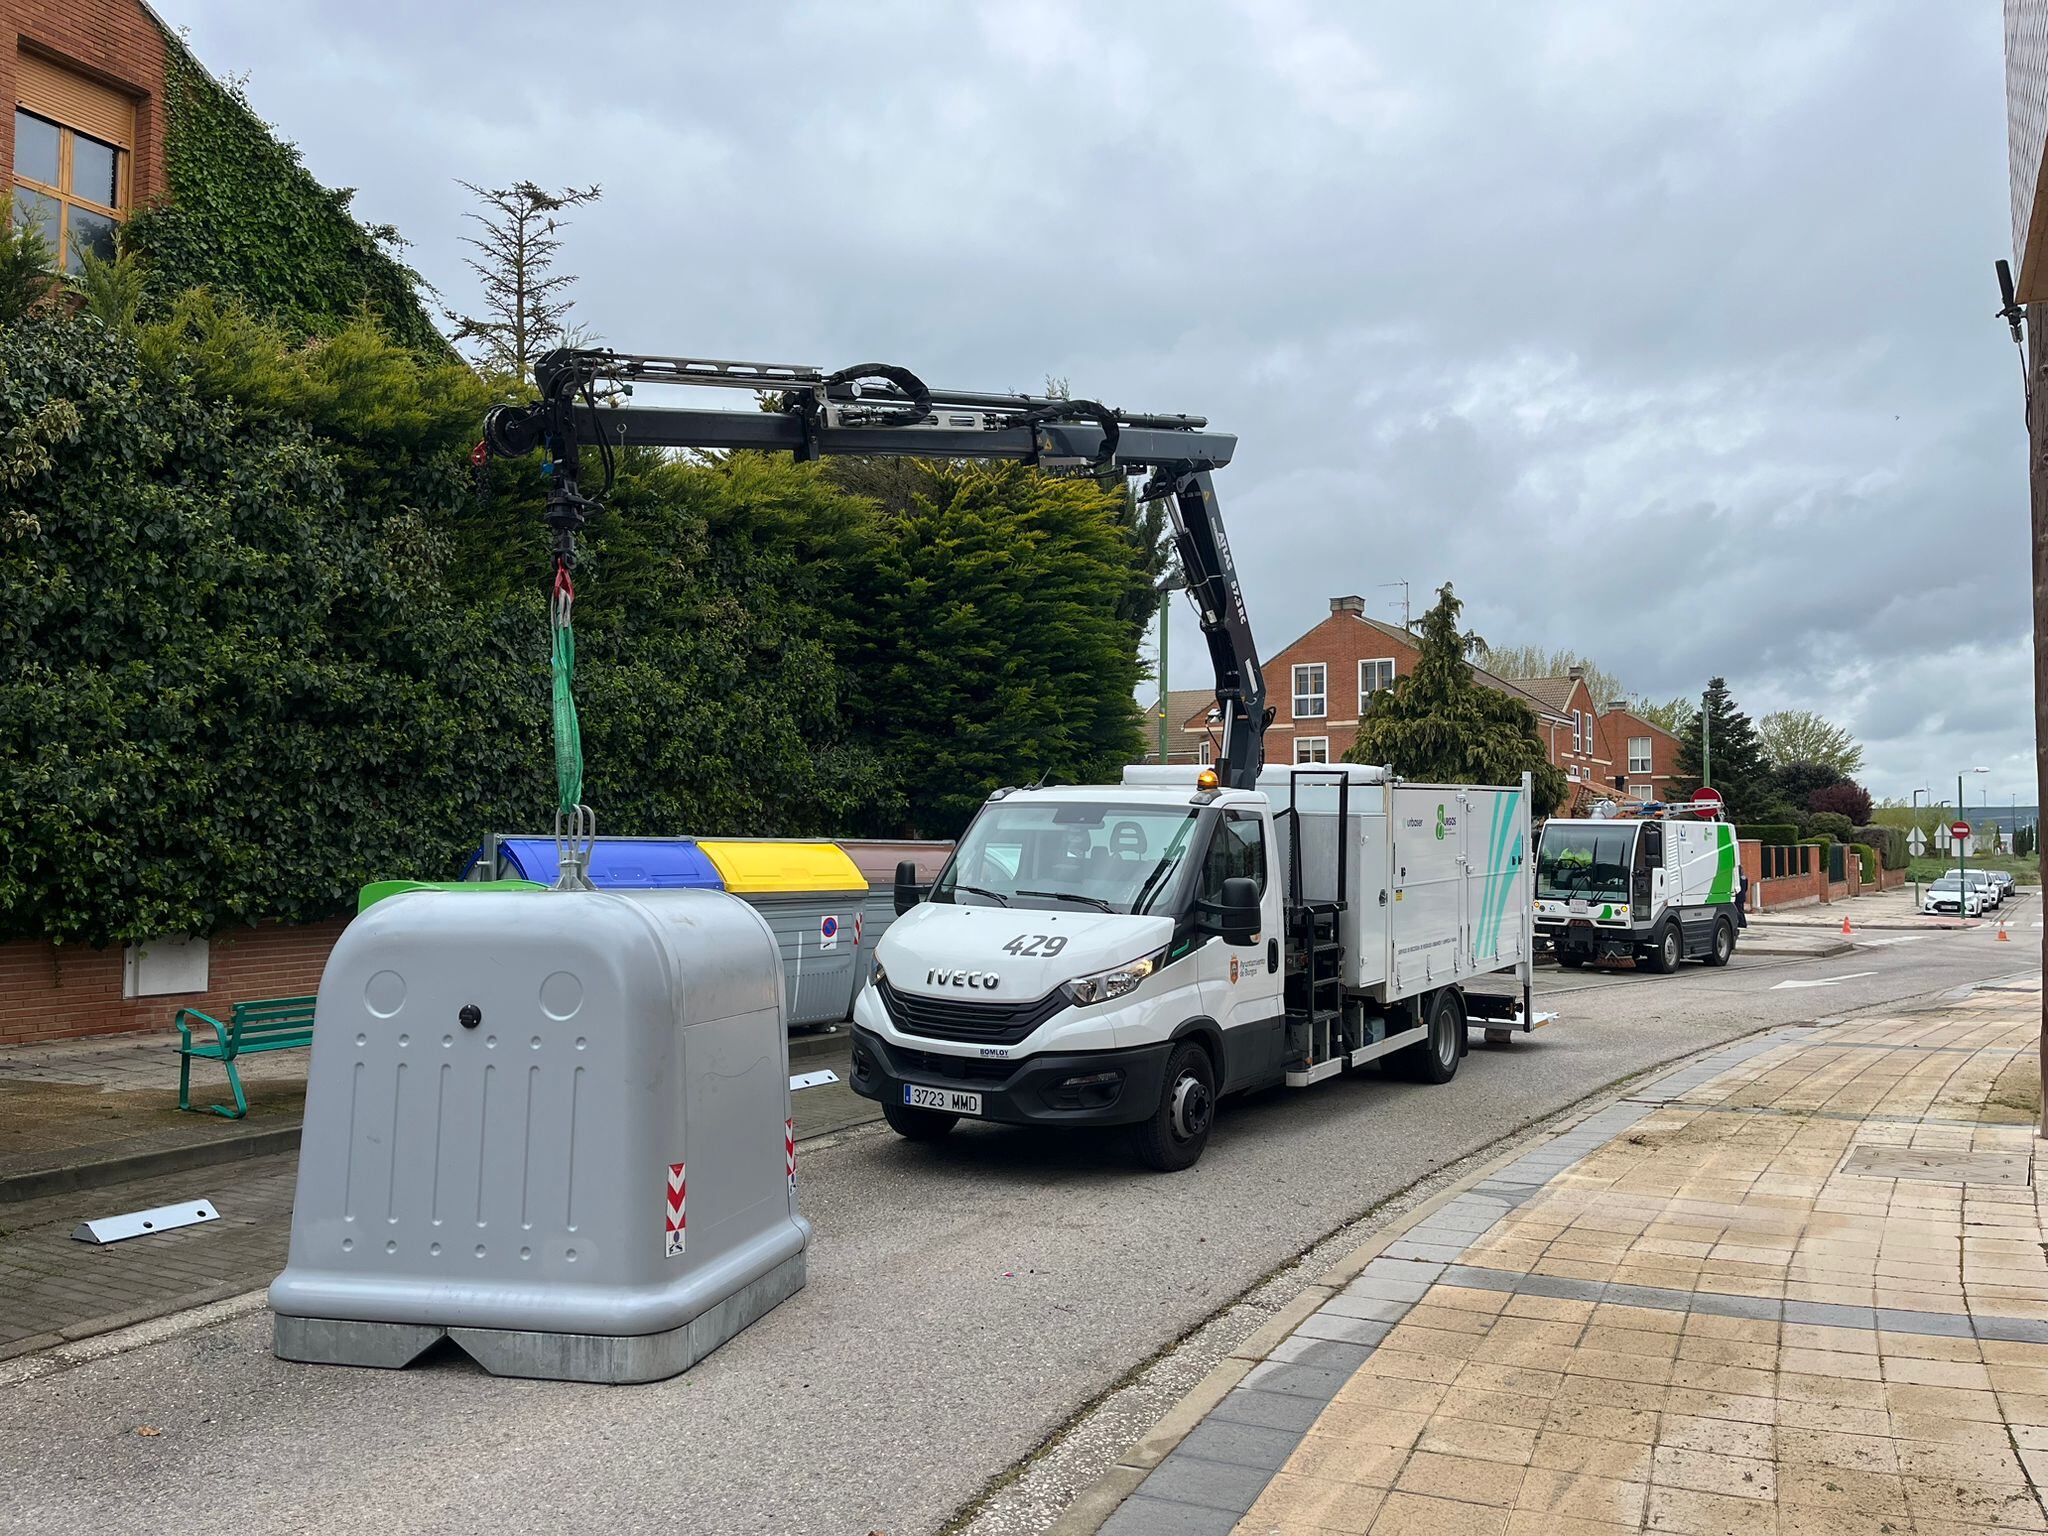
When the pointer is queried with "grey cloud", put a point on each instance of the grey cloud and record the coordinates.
(1662, 331)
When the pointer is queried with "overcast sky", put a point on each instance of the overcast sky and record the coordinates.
(1664, 332)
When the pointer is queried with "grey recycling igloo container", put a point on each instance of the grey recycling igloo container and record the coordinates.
(552, 1126)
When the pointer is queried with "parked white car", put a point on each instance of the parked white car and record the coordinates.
(1986, 883)
(1948, 894)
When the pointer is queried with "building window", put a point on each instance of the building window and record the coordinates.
(71, 159)
(1571, 770)
(1372, 677)
(1311, 749)
(1639, 754)
(1205, 754)
(1311, 690)
(1578, 732)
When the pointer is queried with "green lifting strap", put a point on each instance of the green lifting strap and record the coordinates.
(568, 734)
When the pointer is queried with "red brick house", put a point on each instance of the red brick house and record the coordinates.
(1644, 756)
(1318, 685)
(83, 145)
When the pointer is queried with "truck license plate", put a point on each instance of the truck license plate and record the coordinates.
(947, 1101)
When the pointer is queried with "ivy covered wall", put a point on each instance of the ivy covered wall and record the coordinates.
(246, 219)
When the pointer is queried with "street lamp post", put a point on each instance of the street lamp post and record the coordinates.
(1169, 584)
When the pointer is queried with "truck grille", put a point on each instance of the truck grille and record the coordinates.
(946, 1018)
(965, 1069)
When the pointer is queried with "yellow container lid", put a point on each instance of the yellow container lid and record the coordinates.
(772, 868)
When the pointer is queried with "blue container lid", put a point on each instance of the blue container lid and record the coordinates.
(623, 863)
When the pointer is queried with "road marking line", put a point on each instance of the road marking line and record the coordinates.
(1823, 981)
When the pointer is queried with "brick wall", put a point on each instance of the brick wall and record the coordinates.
(56, 992)
(111, 41)
(1798, 890)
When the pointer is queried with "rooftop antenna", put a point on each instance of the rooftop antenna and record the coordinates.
(1407, 620)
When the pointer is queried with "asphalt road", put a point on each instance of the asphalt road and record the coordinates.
(965, 1299)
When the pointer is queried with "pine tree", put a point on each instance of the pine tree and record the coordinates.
(1441, 723)
(1736, 759)
(526, 303)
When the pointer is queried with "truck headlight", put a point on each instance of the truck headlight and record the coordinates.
(877, 976)
(1116, 981)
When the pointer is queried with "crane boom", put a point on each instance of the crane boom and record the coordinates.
(878, 410)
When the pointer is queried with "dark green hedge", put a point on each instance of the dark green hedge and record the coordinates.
(266, 641)
(1890, 843)
(1873, 864)
(1770, 833)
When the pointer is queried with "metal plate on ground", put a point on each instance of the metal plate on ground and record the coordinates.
(1936, 1166)
(162, 1218)
(817, 1079)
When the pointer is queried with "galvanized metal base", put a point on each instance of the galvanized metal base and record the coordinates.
(610, 1358)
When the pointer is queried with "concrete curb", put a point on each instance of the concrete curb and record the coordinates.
(38, 1182)
(1095, 1503)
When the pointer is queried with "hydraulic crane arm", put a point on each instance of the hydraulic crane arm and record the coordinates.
(878, 410)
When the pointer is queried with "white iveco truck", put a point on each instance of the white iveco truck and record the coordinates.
(1657, 888)
(1128, 954)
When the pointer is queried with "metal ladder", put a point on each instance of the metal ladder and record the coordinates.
(1314, 991)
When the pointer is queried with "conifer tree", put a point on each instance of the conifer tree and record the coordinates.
(1441, 723)
(1734, 757)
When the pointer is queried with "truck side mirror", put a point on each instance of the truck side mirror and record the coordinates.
(1238, 912)
(908, 892)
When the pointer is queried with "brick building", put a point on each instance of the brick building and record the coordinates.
(1318, 685)
(1643, 756)
(83, 145)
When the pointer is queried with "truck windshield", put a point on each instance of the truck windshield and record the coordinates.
(1581, 863)
(1057, 854)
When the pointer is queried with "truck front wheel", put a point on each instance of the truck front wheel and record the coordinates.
(1173, 1137)
(917, 1124)
(1663, 952)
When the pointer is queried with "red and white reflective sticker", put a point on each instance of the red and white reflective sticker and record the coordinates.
(789, 1151)
(856, 930)
(675, 1209)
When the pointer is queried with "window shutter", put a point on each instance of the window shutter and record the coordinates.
(49, 90)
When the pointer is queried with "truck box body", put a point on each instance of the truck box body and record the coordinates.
(1435, 875)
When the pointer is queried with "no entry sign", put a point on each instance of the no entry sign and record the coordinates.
(1959, 829)
(1707, 798)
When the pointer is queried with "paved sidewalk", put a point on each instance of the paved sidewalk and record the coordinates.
(1889, 909)
(1798, 1286)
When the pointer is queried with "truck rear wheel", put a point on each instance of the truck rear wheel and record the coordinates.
(917, 1124)
(1724, 942)
(1434, 1058)
(1663, 952)
(1173, 1137)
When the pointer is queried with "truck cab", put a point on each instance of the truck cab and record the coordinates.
(1656, 889)
(1104, 955)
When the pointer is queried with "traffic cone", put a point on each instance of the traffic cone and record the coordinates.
(1845, 925)
(2003, 936)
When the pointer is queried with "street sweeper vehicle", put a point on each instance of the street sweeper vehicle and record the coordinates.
(1658, 886)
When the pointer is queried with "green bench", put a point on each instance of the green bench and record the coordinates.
(266, 1024)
